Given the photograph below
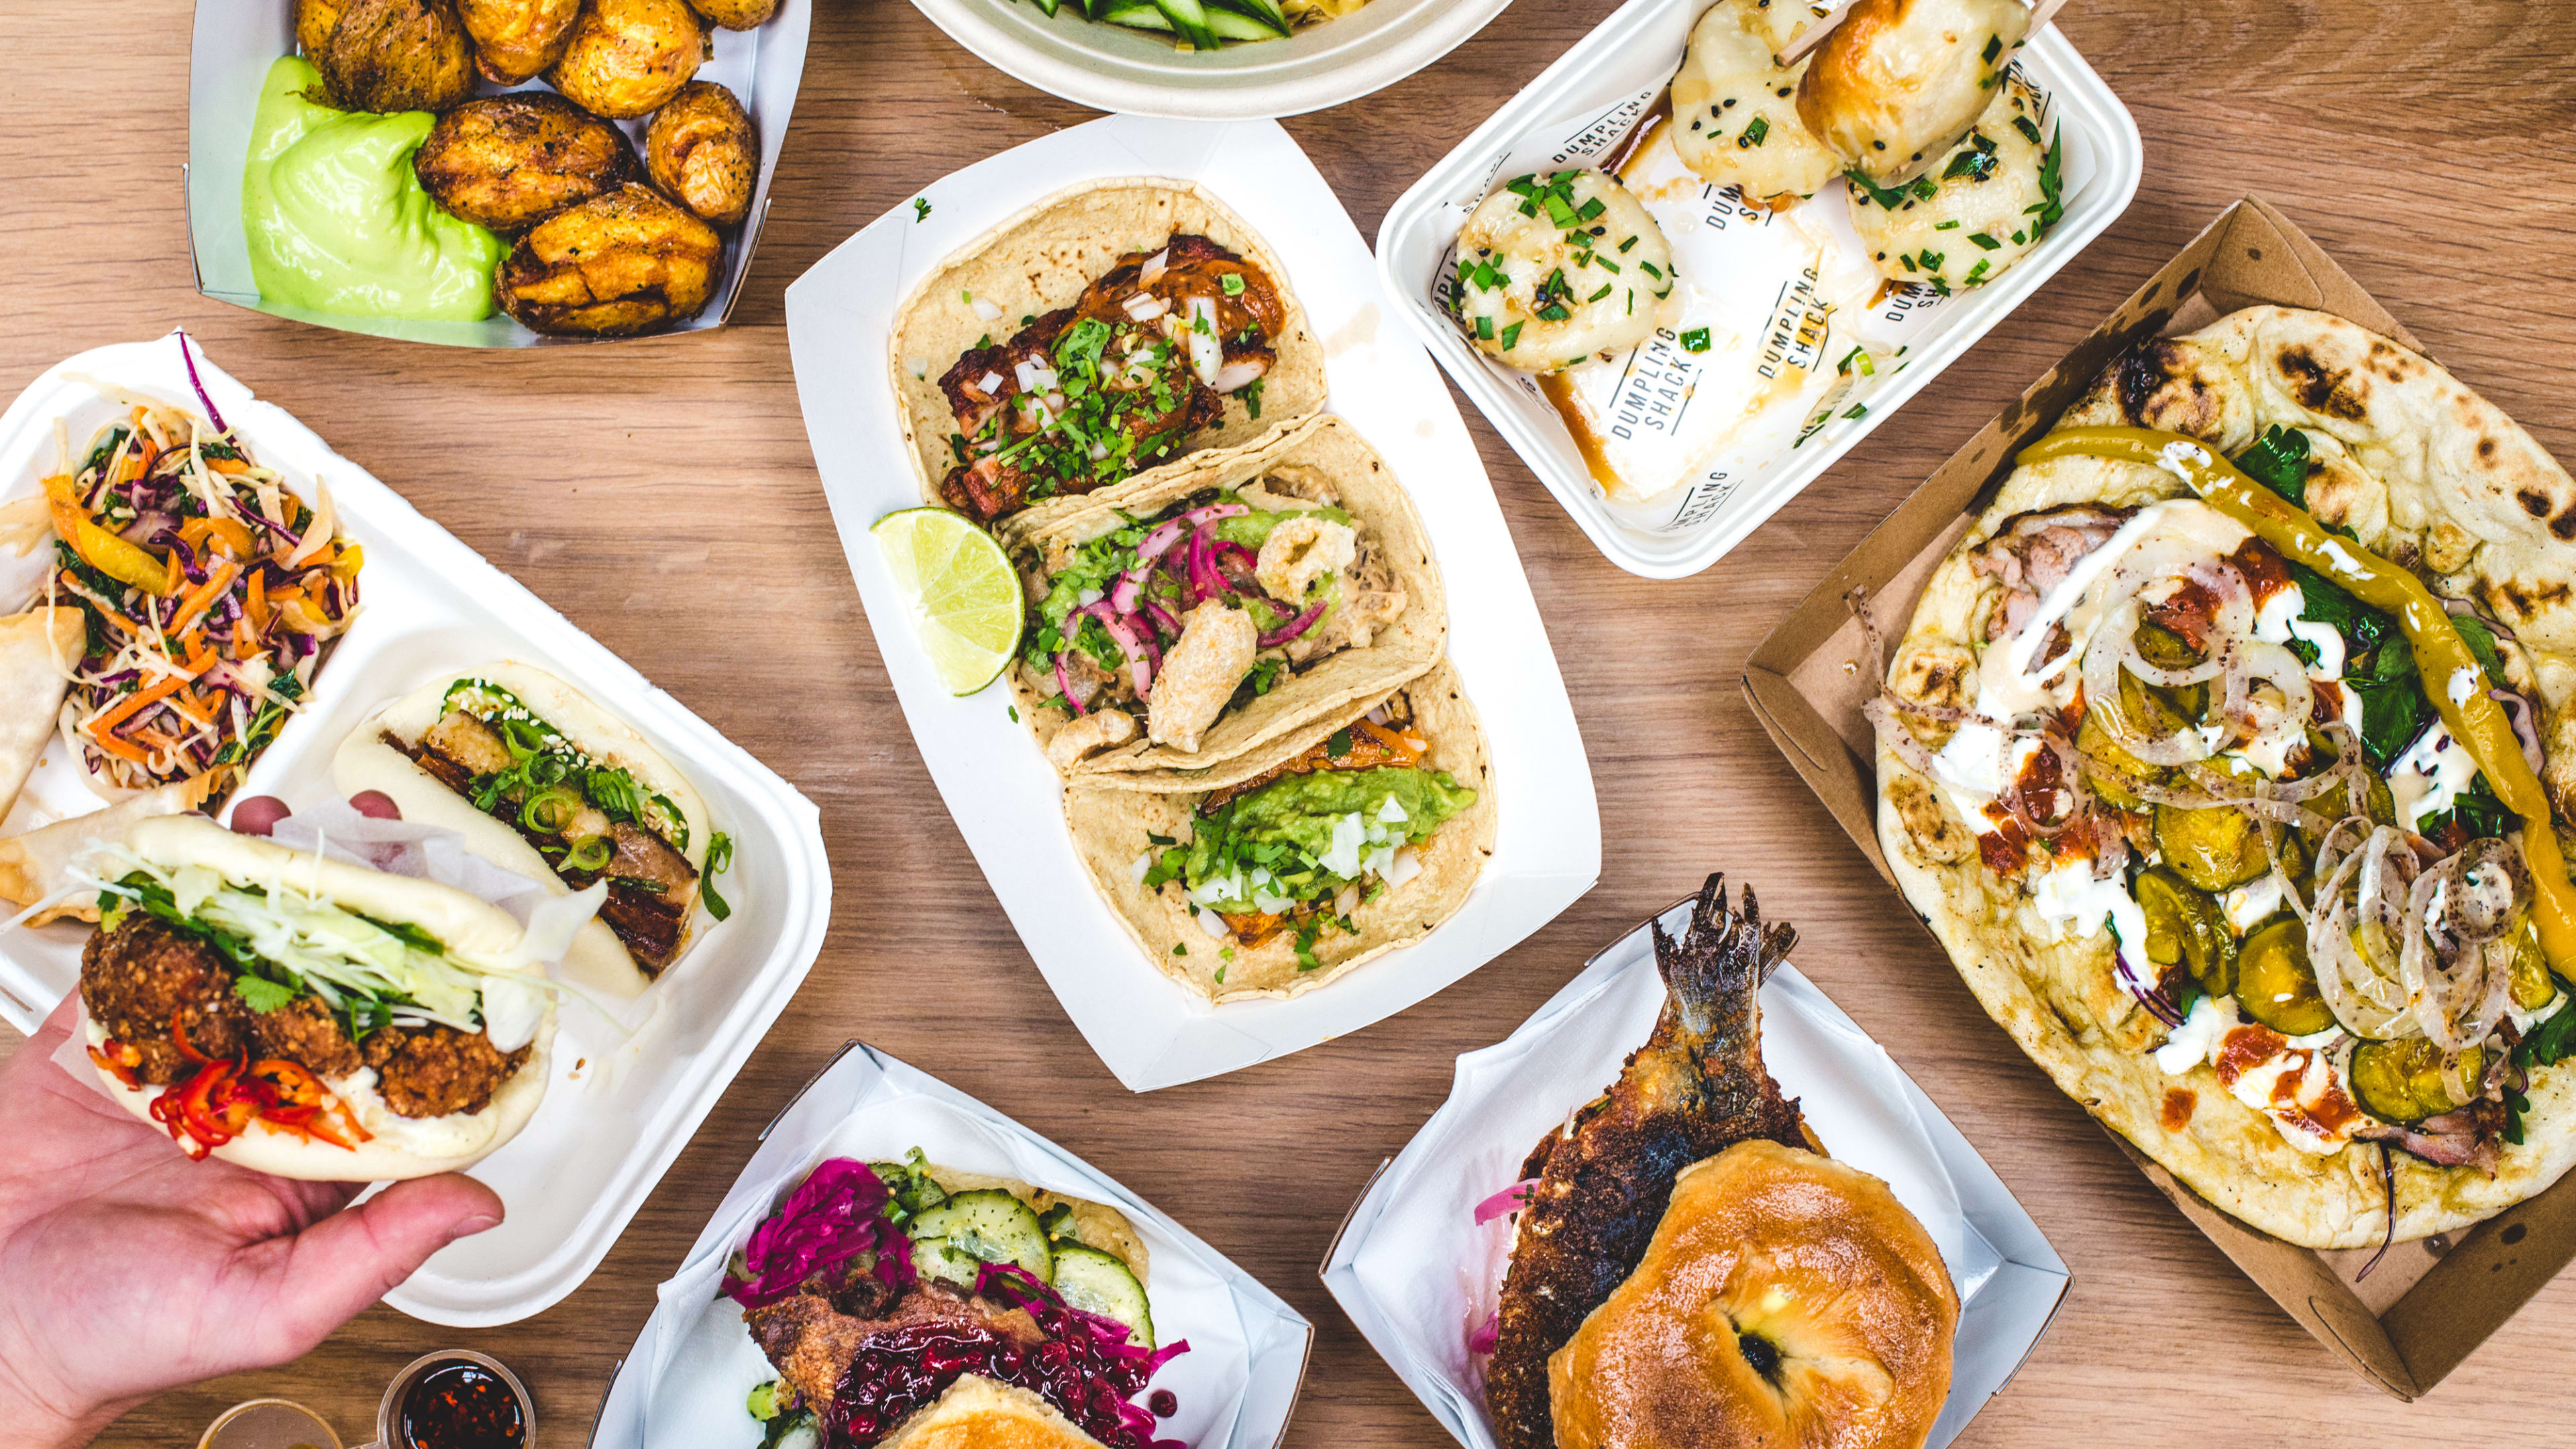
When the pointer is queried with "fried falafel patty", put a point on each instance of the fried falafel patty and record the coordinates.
(430, 1071)
(138, 978)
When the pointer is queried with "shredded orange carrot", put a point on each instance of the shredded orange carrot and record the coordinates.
(256, 605)
(122, 750)
(219, 577)
(126, 708)
(228, 465)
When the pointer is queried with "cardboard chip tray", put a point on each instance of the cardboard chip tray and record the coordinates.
(2430, 1303)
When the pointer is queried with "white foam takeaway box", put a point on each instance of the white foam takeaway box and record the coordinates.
(626, 1096)
(684, 1383)
(1006, 799)
(235, 43)
(1418, 1274)
(1757, 280)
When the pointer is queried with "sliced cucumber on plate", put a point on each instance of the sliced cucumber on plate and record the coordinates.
(1204, 24)
(951, 1241)
(1097, 1282)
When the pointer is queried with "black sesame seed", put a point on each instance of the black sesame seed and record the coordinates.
(1878, 145)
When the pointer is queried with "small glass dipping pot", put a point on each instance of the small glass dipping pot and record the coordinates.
(269, 1424)
(456, 1399)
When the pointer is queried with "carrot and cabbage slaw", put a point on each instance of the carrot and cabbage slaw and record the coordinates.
(211, 593)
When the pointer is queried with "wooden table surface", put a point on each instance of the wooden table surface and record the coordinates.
(638, 487)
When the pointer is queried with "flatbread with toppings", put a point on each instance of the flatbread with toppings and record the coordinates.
(2229, 755)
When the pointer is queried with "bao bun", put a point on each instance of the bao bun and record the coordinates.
(469, 927)
(597, 959)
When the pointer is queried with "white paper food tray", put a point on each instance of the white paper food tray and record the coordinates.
(1547, 850)
(1418, 1276)
(617, 1111)
(683, 1384)
(236, 42)
(1578, 112)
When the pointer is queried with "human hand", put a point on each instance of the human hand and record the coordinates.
(126, 1269)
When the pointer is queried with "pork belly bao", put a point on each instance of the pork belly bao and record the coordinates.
(541, 781)
(905, 1303)
(307, 1017)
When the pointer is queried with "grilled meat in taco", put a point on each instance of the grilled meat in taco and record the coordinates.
(894, 1297)
(542, 781)
(1189, 619)
(1304, 859)
(1114, 384)
(2215, 755)
(306, 1017)
(1099, 335)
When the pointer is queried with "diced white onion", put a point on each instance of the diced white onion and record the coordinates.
(1027, 372)
(1144, 307)
(917, 366)
(990, 382)
(1212, 923)
(1207, 355)
(1406, 867)
(1099, 451)
(1143, 864)
(1241, 373)
(1342, 857)
(1392, 812)
(987, 310)
(1153, 268)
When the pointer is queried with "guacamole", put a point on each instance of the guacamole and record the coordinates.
(1304, 837)
(337, 222)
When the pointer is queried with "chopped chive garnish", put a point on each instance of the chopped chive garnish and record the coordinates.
(1606, 289)
(1651, 269)
(1950, 225)
(2028, 127)
(1553, 314)
(1521, 185)
(1983, 241)
(1591, 209)
(1858, 356)
(1484, 327)
(1511, 337)
(1695, 340)
(1605, 262)
(1623, 246)
(1976, 273)
(1858, 410)
(2018, 238)
(1994, 47)
(1755, 134)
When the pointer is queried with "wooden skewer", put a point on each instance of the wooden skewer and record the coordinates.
(2041, 13)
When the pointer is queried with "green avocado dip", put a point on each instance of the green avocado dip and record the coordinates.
(1302, 838)
(337, 222)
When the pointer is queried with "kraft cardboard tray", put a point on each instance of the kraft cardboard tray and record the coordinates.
(2431, 1303)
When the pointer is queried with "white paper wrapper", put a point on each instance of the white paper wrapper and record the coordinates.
(626, 1095)
(1418, 1276)
(683, 1384)
(1547, 851)
(1712, 443)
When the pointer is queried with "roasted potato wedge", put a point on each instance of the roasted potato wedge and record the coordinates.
(701, 148)
(613, 266)
(515, 39)
(397, 55)
(626, 57)
(314, 22)
(509, 162)
(736, 14)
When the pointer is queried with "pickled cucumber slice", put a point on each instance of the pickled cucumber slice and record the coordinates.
(972, 1228)
(1097, 1282)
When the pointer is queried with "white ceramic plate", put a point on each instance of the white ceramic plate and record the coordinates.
(235, 43)
(1417, 1274)
(1547, 849)
(617, 1111)
(1142, 73)
(1579, 111)
(683, 1384)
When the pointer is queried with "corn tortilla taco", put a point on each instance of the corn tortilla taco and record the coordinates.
(1180, 621)
(1298, 861)
(2228, 754)
(1112, 328)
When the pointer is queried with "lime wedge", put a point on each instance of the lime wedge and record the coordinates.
(965, 597)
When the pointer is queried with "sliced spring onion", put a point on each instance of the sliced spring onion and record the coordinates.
(591, 852)
(1190, 21)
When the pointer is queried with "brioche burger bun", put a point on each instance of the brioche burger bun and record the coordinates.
(476, 934)
(366, 761)
(1785, 1299)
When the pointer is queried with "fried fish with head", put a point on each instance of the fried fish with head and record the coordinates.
(617, 264)
(509, 162)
